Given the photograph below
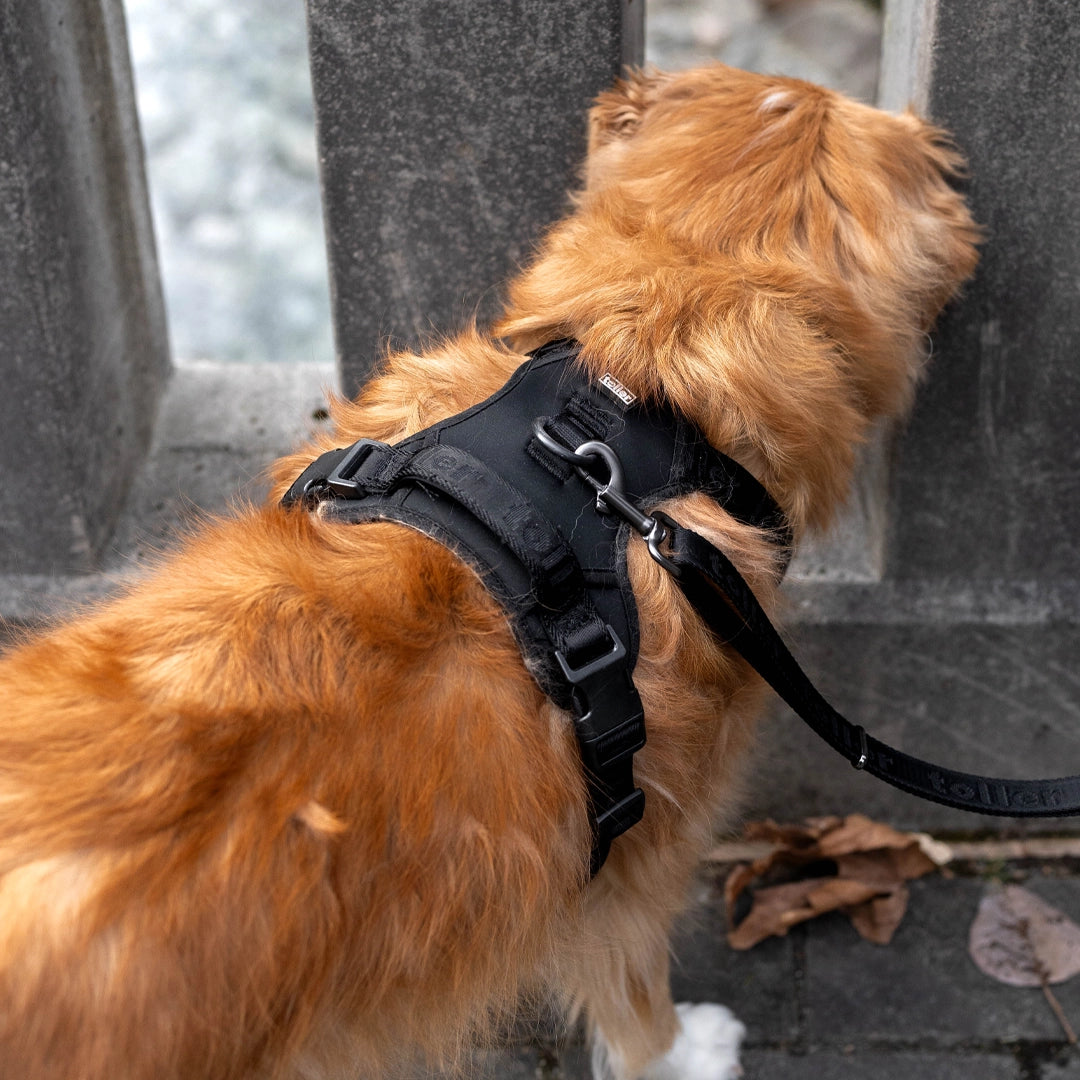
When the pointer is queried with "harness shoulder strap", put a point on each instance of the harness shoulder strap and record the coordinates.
(579, 661)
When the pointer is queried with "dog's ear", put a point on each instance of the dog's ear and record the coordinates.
(614, 119)
(618, 112)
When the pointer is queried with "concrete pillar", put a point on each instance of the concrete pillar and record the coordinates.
(1001, 410)
(965, 647)
(449, 134)
(83, 351)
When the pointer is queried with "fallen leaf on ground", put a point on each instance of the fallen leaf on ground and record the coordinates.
(1020, 939)
(859, 867)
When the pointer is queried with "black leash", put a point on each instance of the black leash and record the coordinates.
(723, 599)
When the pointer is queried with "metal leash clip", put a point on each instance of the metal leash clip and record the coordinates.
(611, 499)
(610, 494)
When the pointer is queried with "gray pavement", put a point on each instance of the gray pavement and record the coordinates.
(822, 1004)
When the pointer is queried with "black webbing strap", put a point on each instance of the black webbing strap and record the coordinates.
(727, 604)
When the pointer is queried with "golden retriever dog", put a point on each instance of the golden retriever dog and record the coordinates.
(292, 806)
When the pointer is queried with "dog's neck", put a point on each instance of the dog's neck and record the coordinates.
(781, 370)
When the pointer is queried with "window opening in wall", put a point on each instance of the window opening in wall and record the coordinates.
(225, 105)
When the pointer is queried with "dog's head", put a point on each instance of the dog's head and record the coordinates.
(763, 252)
(758, 166)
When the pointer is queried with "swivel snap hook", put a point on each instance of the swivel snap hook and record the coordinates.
(610, 494)
(610, 498)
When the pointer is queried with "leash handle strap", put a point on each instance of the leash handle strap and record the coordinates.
(728, 605)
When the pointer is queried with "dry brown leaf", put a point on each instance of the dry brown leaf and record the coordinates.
(1020, 939)
(885, 866)
(859, 833)
(872, 863)
(776, 910)
(877, 919)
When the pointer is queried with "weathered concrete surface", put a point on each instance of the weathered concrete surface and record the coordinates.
(449, 135)
(982, 697)
(219, 426)
(987, 482)
(823, 1004)
(83, 348)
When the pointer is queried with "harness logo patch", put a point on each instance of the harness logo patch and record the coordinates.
(617, 392)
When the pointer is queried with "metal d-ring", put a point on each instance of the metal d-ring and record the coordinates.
(563, 453)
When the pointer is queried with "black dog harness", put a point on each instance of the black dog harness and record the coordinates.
(530, 488)
(538, 489)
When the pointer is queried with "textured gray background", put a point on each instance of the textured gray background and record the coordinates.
(82, 334)
(448, 136)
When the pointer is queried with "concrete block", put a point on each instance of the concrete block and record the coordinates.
(449, 135)
(987, 478)
(1000, 700)
(219, 426)
(83, 346)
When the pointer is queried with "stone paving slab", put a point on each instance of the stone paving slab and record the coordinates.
(758, 985)
(1065, 1067)
(822, 1004)
(771, 1065)
(923, 986)
(776, 1065)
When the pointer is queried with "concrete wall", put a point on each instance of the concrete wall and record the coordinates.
(965, 648)
(83, 350)
(449, 135)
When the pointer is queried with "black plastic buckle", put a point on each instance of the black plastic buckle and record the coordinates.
(613, 822)
(610, 730)
(578, 676)
(611, 721)
(308, 488)
(342, 481)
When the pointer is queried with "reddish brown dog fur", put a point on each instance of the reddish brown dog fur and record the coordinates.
(292, 806)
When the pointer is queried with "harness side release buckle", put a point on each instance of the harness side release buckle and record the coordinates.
(610, 727)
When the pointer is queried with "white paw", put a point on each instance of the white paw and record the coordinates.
(707, 1047)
